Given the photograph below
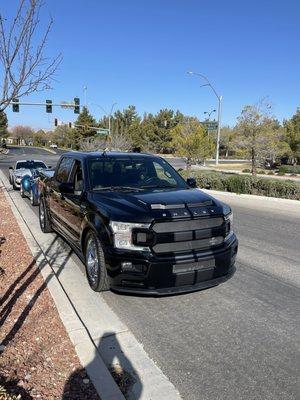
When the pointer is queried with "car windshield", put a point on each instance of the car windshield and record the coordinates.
(136, 173)
(30, 165)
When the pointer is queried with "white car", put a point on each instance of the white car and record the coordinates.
(53, 146)
(23, 167)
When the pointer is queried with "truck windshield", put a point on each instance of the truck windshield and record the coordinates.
(136, 173)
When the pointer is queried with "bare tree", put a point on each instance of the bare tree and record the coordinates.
(115, 142)
(23, 66)
(22, 133)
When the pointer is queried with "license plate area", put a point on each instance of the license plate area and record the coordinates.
(195, 266)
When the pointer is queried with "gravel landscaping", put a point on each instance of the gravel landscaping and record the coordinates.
(37, 359)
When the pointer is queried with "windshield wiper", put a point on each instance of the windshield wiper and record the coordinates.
(158, 186)
(133, 188)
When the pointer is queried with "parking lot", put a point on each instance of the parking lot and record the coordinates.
(238, 340)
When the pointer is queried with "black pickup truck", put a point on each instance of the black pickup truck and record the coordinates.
(137, 224)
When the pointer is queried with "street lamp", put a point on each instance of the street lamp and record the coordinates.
(209, 113)
(106, 113)
(219, 109)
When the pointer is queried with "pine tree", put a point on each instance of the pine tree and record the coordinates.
(3, 124)
(85, 120)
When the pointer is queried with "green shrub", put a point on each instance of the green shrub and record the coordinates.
(280, 173)
(290, 169)
(246, 184)
(271, 173)
(246, 170)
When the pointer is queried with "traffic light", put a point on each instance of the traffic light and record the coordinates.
(48, 106)
(15, 106)
(77, 105)
(55, 122)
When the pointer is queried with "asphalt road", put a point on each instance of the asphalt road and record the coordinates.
(239, 340)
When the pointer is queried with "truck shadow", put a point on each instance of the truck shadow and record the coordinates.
(13, 293)
(119, 365)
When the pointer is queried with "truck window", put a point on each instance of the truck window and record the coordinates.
(77, 177)
(64, 169)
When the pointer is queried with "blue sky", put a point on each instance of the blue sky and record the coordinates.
(138, 52)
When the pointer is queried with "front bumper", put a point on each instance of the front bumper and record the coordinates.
(181, 274)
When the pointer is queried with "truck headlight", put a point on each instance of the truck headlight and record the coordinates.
(229, 220)
(123, 235)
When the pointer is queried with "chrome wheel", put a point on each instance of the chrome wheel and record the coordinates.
(92, 260)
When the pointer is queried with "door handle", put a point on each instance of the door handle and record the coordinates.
(83, 207)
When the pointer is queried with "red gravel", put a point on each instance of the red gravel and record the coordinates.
(37, 359)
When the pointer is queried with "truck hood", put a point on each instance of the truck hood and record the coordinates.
(148, 205)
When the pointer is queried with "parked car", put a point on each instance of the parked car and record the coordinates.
(53, 146)
(22, 168)
(137, 224)
(30, 184)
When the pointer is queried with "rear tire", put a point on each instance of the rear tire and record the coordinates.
(22, 192)
(95, 264)
(44, 218)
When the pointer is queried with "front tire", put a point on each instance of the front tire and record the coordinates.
(14, 185)
(95, 264)
(44, 218)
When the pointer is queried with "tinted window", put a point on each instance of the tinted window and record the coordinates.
(142, 173)
(30, 165)
(64, 169)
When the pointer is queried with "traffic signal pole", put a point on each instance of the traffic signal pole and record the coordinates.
(47, 104)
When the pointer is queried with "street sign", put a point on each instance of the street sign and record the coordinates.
(102, 131)
(66, 104)
(210, 125)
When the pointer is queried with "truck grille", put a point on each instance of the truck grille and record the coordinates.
(188, 235)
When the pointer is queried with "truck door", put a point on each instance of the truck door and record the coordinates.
(57, 189)
(74, 203)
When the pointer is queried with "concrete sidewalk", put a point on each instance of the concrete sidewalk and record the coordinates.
(100, 338)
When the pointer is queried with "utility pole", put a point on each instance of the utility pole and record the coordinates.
(84, 91)
(106, 113)
(219, 110)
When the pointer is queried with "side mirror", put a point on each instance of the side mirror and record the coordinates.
(49, 166)
(191, 182)
(66, 187)
(10, 167)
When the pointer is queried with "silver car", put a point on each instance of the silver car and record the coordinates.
(22, 168)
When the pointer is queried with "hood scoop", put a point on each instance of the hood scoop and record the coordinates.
(204, 203)
(166, 206)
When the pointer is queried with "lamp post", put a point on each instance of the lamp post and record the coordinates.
(219, 109)
(209, 113)
(109, 114)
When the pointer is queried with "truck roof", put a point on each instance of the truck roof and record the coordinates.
(84, 155)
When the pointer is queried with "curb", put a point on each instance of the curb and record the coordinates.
(88, 355)
(252, 197)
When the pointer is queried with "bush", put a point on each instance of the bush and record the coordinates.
(290, 169)
(281, 173)
(261, 172)
(246, 170)
(246, 184)
(271, 173)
